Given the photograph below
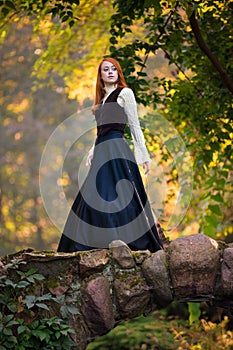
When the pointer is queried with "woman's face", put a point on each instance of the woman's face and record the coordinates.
(109, 73)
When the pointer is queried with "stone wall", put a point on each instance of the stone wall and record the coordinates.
(107, 286)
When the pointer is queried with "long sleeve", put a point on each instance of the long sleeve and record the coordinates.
(127, 100)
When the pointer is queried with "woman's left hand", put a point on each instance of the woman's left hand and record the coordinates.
(146, 167)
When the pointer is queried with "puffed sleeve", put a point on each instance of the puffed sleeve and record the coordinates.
(127, 100)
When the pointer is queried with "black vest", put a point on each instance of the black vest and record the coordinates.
(110, 115)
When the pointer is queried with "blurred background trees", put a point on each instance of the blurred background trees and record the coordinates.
(47, 74)
(177, 57)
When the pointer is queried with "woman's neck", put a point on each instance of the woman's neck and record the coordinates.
(109, 88)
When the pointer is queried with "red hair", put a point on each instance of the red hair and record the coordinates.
(99, 90)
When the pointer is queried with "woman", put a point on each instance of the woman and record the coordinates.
(112, 203)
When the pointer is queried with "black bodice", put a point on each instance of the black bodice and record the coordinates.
(110, 115)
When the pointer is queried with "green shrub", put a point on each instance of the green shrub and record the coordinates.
(21, 326)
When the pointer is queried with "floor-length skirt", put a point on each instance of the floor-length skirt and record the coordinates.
(112, 203)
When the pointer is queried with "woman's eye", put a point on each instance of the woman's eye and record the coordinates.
(106, 69)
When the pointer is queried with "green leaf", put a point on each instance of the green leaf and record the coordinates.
(2, 277)
(113, 40)
(224, 173)
(42, 306)
(7, 331)
(217, 198)
(10, 283)
(221, 183)
(75, 2)
(211, 180)
(21, 347)
(209, 230)
(47, 296)
(65, 18)
(22, 329)
(12, 323)
(194, 312)
(11, 341)
(31, 272)
(30, 279)
(12, 307)
(71, 23)
(141, 74)
(42, 335)
(143, 82)
(22, 284)
(215, 209)
(22, 274)
(35, 324)
(57, 335)
(72, 309)
(212, 220)
(64, 311)
(29, 301)
(8, 318)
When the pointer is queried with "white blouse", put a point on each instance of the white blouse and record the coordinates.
(127, 100)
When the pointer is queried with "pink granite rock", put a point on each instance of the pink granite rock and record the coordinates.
(193, 263)
(97, 306)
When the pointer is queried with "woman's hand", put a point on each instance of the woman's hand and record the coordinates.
(89, 160)
(146, 167)
(90, 156)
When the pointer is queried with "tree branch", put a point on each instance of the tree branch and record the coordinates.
(162, 31)
(201, 43)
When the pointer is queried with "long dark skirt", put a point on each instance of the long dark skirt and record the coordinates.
(112, 203)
